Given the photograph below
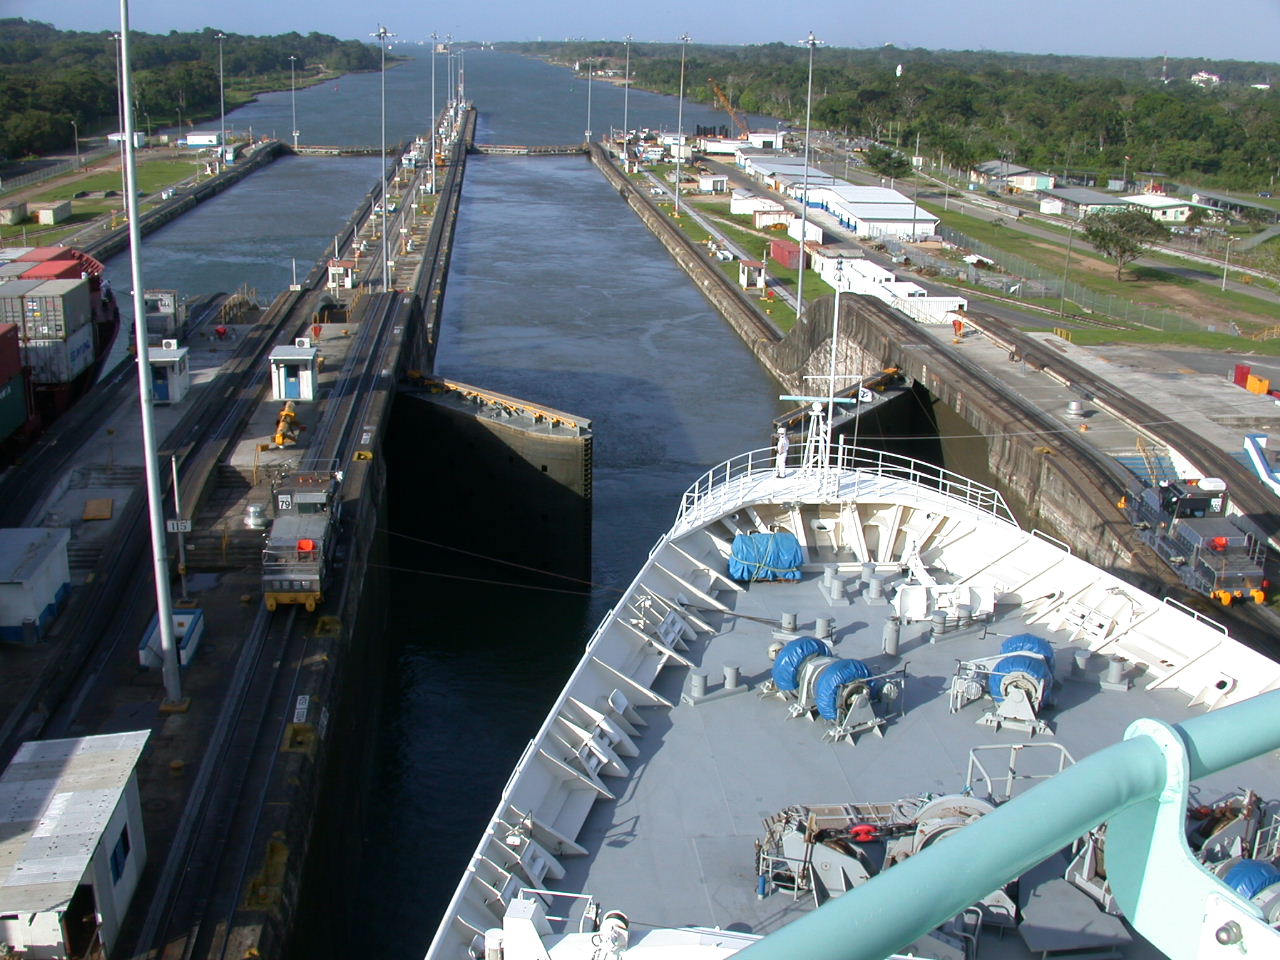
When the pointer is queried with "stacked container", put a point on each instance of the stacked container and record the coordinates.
(53, 316)
(13, 393)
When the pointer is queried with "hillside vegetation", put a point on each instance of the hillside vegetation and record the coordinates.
(1085, 114)
(49, 77)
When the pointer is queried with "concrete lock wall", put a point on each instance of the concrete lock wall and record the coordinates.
(1062, 490)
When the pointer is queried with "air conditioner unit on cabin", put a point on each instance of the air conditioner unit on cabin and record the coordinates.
(302, 343)
(168, 344)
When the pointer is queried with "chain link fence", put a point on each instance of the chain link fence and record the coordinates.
(1040, 283)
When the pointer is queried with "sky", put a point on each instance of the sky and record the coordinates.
(1226, 29)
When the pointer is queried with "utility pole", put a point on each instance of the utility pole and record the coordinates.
(626, 100)
(382, 35)
(293, 100)
(222, 97)
(684, 43)
(155, 505)
(811, 42)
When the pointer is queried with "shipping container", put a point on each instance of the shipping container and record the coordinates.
(55, 309)
(59, 361)
(12, 304)
(13, 253)
(39, 254)
(13, 406)
(10, 352)
(55, 270)
(786, 253)
(13, 269)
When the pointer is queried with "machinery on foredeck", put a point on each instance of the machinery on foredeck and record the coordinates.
(1018, 681)
(299, 546)
(847, 696)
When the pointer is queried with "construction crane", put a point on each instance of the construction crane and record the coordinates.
(743, 130)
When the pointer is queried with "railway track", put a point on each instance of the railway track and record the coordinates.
(205, 879)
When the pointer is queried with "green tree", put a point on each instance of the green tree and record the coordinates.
(1123, 235)
(887, 163)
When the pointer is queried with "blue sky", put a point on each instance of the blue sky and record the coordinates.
(1227, 29)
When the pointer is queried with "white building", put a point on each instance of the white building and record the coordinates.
(34, 580)
(745, 202)
(845, 269)
(1166, 209)
(73, 846)
(873, 211)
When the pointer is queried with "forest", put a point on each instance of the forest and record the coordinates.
(50, 77)
(1082, 115)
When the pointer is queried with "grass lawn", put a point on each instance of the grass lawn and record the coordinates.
(1200, 339)
(153, 176)
(1151, 284)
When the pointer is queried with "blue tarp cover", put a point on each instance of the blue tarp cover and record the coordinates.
(766, 556)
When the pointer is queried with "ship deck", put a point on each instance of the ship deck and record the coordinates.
(670, 834)
(676, 848)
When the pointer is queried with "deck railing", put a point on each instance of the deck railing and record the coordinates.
(721, 487)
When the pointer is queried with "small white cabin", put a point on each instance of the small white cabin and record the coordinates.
(34, 580)
(73, 846)
(294, 371)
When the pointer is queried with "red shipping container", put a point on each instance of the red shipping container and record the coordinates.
(55, 270)
(1240, 378)
(785, 252)
(10, 352)
(48, 253)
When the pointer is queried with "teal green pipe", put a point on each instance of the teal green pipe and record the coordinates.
(907, 901)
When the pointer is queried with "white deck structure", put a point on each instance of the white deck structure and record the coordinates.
(648, 792)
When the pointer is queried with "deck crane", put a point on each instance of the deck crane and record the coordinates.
(743, 130)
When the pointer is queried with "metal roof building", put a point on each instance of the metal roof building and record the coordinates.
(71, 843)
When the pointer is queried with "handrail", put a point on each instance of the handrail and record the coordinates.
(716, 487)
(1117, 784)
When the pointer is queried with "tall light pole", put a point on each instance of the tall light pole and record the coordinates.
(810, 41)
(1227, 262)
(448, 64)
(435, 119)
(684, 43)
(293, 101)
(587, 138)
(75, 136)
(626, 99)
(222, 96)
(120, 112)
(164, 611)
(383, 35)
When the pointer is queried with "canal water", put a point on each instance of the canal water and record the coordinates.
(558, 295)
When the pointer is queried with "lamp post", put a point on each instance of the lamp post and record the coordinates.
(383, 34)
(435, 120)
(1124, 178)
(810, 41)
(1227, 262)
(293, 100)
(684, 43)
(222, 97)
(75, 136)
(120, 112)
(155, 506)
(448, 64)
(587, 137)
(626, 98)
